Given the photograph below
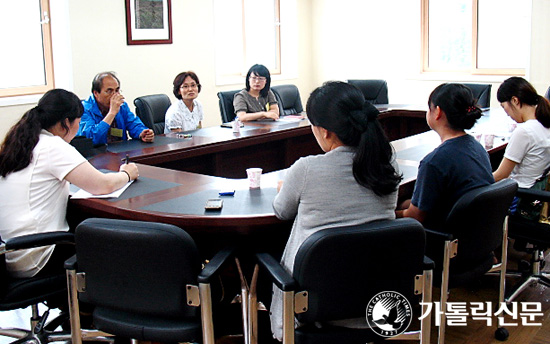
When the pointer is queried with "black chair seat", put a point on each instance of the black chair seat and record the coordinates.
(147, 328)
(151, 110)
(310, 334)
(482, 93)
(227, 111)
(375, 91)
(21, 293)
(533, 232)
(288, 98)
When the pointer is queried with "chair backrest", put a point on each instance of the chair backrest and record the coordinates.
(152, 110)
(476, 220)
(547, 94)
(343, 268)
(375, 91)
(288, 98)
(481, 92)
(137, 267)
(227, 111)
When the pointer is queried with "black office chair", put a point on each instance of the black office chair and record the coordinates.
(532, 237)
(375, 91)
(288, 98)
(152, 111)
(337, 272)
(141, 278)
(227, 111)
(547, 94)
(475, 228)
(25, 292)
(481, 92)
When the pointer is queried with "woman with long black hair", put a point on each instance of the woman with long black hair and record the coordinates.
(354, 182)
(527, 154)
(37, 163)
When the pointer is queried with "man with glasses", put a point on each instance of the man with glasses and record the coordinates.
(107, 117)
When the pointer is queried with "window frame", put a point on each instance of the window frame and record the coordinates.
(47, 55)
(277, 22)
(235, 76)
(474, 70)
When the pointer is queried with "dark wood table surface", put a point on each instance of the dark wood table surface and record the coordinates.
(178, 175)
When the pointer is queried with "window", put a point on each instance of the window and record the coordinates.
(247, 32)
(26, 63)
(476, 36)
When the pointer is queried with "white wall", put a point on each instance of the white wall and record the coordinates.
(338, 40)
(382, 39)
(98, 43)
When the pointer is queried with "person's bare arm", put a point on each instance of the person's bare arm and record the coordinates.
(504, 169)
(88, 178)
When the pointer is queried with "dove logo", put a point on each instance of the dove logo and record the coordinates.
(389, 313)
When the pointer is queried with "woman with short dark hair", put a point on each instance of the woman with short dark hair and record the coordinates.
(186, 114)
(256, 101)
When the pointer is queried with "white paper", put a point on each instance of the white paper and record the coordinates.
(82, 194)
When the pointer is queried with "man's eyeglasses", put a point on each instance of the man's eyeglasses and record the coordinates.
(258, 78)
(188, 86)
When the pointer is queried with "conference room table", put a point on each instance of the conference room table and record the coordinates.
(178, 174)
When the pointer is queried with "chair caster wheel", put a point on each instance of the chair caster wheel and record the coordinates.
(501, 334)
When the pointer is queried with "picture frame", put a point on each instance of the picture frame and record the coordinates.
(148, 22)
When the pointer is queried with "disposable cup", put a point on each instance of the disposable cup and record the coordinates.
(489, 141)
(254, 175)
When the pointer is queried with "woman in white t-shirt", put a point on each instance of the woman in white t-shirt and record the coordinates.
(186, 114)
(37, 163)
(527, 154)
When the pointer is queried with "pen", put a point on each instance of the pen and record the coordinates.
(127, 159)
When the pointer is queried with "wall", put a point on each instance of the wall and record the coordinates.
(381, 39)
(98, 43)
(338, 39)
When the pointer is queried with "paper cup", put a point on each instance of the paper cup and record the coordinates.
(254, 175)
(489, 141)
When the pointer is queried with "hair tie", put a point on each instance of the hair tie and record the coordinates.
(359, 120)
(471, 109)
(371, 111)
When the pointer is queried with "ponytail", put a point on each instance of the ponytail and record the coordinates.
(542, 112)
(341, 108)
(525, 92)
(372, 163)
(16, 150)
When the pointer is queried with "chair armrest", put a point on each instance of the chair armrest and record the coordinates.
(215, 264)
(37, 240)
(278, 275)
(541, 195)
(428, 264)
(71, 263)
(433, 234)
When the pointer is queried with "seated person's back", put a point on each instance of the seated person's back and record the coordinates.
(354, 182)
(458, 165)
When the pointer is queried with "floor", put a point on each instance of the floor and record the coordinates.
(474, 332)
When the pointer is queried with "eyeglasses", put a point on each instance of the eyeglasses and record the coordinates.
(258, 78)
(188, 86)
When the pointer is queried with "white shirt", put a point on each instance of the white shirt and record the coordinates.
(34, 200)
(179, 116)
(529, 148)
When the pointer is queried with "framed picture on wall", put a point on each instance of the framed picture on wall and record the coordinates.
(148, 22)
